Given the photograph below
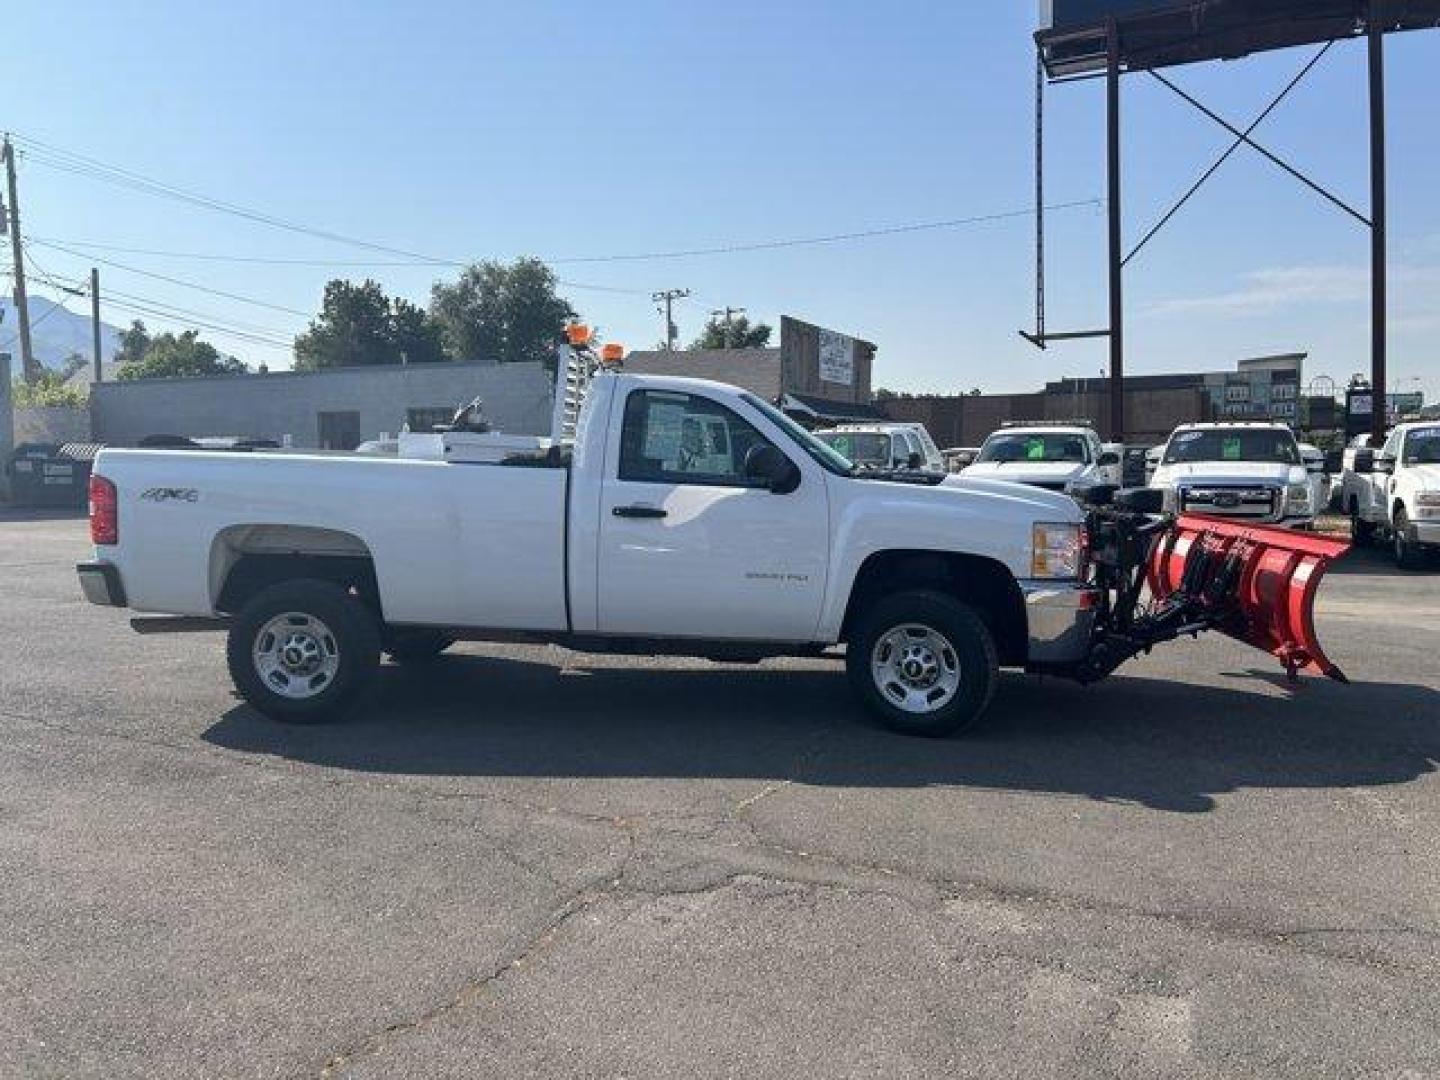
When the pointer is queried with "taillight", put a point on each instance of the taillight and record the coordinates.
(104, 512)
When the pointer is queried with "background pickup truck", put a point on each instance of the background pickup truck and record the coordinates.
(1244, 471)
(1394, 492)
(687, 517)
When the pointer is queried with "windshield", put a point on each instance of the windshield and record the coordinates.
(1030, 447)
(824, 456)
(861, 447)
(1233, 444)
(1422, 446)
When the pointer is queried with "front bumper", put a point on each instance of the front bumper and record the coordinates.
(1061, 617)
(100, 582)
(1424, 532)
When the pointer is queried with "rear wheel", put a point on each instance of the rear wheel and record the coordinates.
(1408, 554)
(416, 646)
(923, 663)
(302, 650)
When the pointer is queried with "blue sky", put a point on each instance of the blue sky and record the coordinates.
(491, 129)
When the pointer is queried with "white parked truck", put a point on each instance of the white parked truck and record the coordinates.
(1055, 456)
(668, 515)
(1248, 471)
(1394, 492)
(886, 446)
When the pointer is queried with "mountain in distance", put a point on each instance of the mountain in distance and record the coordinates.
(55, 334)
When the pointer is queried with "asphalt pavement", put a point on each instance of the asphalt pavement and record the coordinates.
(528, 862)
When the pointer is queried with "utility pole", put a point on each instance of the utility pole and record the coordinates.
(22, 304)
(727, 313)
(668, 298)
(95, 320)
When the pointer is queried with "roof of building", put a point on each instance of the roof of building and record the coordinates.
(832, 412)
(756, 370)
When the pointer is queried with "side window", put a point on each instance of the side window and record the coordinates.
(676, 438)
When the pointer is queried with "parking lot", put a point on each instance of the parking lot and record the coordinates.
(527, 862)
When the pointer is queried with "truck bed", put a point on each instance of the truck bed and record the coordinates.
(452, 544)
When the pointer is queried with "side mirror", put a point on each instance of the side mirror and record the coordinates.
(1384, 463)
(914, 461)
(1364, 460)
(772, 468)
(1141, 500)
(1109, 457)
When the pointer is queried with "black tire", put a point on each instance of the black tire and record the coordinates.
(1408, 554)
(328, 623)
(416, 646)
(955, 625)
(1362, 532)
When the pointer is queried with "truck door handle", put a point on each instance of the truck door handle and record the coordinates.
(638, 512)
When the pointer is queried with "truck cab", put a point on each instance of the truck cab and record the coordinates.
(1394, 492)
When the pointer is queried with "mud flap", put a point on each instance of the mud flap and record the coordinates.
(1258, 581)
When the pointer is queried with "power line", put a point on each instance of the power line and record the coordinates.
(91, 246)
(57, 157)
(172, 280)
(833, 238)
(55, 305)
(68, 161)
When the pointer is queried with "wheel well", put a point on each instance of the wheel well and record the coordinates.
(245, 559)
(985, 584)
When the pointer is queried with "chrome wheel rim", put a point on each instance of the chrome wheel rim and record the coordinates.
(915, 668)
(296, 655)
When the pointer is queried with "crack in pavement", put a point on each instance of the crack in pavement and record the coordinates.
(576, 904)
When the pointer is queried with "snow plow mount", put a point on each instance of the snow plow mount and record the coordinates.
(1255, 583)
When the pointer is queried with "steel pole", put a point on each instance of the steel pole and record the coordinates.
(1112, 170)
(1377, 220)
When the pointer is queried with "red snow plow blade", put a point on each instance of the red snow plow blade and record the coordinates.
(1266, 576)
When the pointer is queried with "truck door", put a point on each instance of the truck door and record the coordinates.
(688, 546)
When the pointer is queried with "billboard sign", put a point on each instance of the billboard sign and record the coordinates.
(837, 358)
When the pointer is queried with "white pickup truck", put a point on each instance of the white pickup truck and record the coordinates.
(689, 517)
(1247, 471)
(1056, 456)
(1395, 491)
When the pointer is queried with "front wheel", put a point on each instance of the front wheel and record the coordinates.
(923, 663)
(302, 650)
(1408, 554)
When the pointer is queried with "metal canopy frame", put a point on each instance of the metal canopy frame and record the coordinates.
(1195, 31)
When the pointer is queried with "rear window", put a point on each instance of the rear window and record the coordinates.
(861, 447)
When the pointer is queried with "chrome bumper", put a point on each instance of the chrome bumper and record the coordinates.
(1424, 532)
(1060, 616)
(100, 582)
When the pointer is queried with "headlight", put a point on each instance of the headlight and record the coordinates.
(1298, 495)
(1057, 549)
(1427, 498)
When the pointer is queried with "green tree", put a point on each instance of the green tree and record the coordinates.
(48, 389)
(133, 343)
(359, 325)
(180, 355)
(740, 335)
(508, 313)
